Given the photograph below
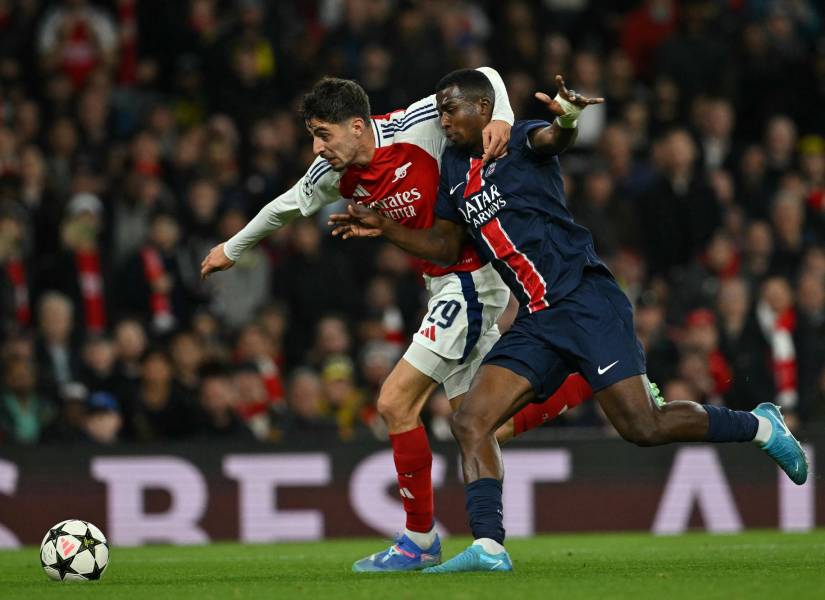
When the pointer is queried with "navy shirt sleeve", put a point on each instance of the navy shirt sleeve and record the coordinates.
(519, 134)
(445, 207)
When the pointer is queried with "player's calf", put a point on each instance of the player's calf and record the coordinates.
(571, 394)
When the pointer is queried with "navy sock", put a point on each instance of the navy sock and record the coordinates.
(726, 425)
(484, 508)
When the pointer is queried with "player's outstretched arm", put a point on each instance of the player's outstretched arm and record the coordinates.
(318, 187)
(440, 244)
(561, 134)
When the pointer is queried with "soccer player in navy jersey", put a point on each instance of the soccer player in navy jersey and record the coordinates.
(572, 315)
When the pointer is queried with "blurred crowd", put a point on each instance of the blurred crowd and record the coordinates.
(135, 135)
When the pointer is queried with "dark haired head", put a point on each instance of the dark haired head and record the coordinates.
(465, 101)
(472, 84)
(334, 100)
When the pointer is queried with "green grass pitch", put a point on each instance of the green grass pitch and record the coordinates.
(696, 566)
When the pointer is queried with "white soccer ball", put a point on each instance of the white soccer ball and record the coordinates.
(74, 550)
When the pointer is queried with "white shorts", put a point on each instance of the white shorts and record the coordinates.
(459, 328)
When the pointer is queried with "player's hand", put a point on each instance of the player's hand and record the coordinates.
(556, 105)
(358, 221)
(496, 136)
(216, 260)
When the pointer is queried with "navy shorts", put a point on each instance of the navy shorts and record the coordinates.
(589, 331)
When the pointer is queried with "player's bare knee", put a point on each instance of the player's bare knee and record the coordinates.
(393, 406)
(466, 427)
(641, 432)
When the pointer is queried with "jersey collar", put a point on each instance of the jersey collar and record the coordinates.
(376, 133)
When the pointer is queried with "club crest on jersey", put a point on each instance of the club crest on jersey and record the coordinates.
(401, 172)
(490, 170)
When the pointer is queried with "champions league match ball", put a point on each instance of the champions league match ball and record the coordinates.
(74, 550)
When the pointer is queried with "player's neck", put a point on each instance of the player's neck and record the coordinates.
(366, 151)
(477, 147)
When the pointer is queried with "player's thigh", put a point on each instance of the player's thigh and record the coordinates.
(593, 328)
(495, 395)
(526, 351)
(627, 404)
(405, 390)
(458, 381)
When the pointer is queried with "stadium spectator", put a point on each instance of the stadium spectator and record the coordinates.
(81, 269)
(15, 270)
(24, 413)
(306, 419)
(255, 347)
(102, 421)
(151, 282)
(743, 345)
(218, 400)
(679, 211)
(254, 406)
(809, 338)
(157, 408)
(187, 358)
(332, 338)
(130, 345)
(56, 350)
(98, 365)
(342, 399)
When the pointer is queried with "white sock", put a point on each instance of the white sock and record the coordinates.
(422, 540)
(763, 432)
(490, 546)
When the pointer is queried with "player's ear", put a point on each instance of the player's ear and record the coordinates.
(485, 107)
(358, 126)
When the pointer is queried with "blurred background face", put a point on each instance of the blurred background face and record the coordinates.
(680, 152)
(187, 354)
(780, 137)
(759, 240)
(20, 376)
(203, 200)
(337, 378)
(734, 299)
(777, 294)
(130, 340)
(811, 293)
(306, 237)
(333, 337)
(156, 369)
(252, 344)
(56, 319)
(217, 396)
(231, 223)
(164, 233)
(305, 395)
(249, 387)
(100, 355)
(721, 252)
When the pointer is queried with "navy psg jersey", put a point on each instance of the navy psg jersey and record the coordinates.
(516, 212)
